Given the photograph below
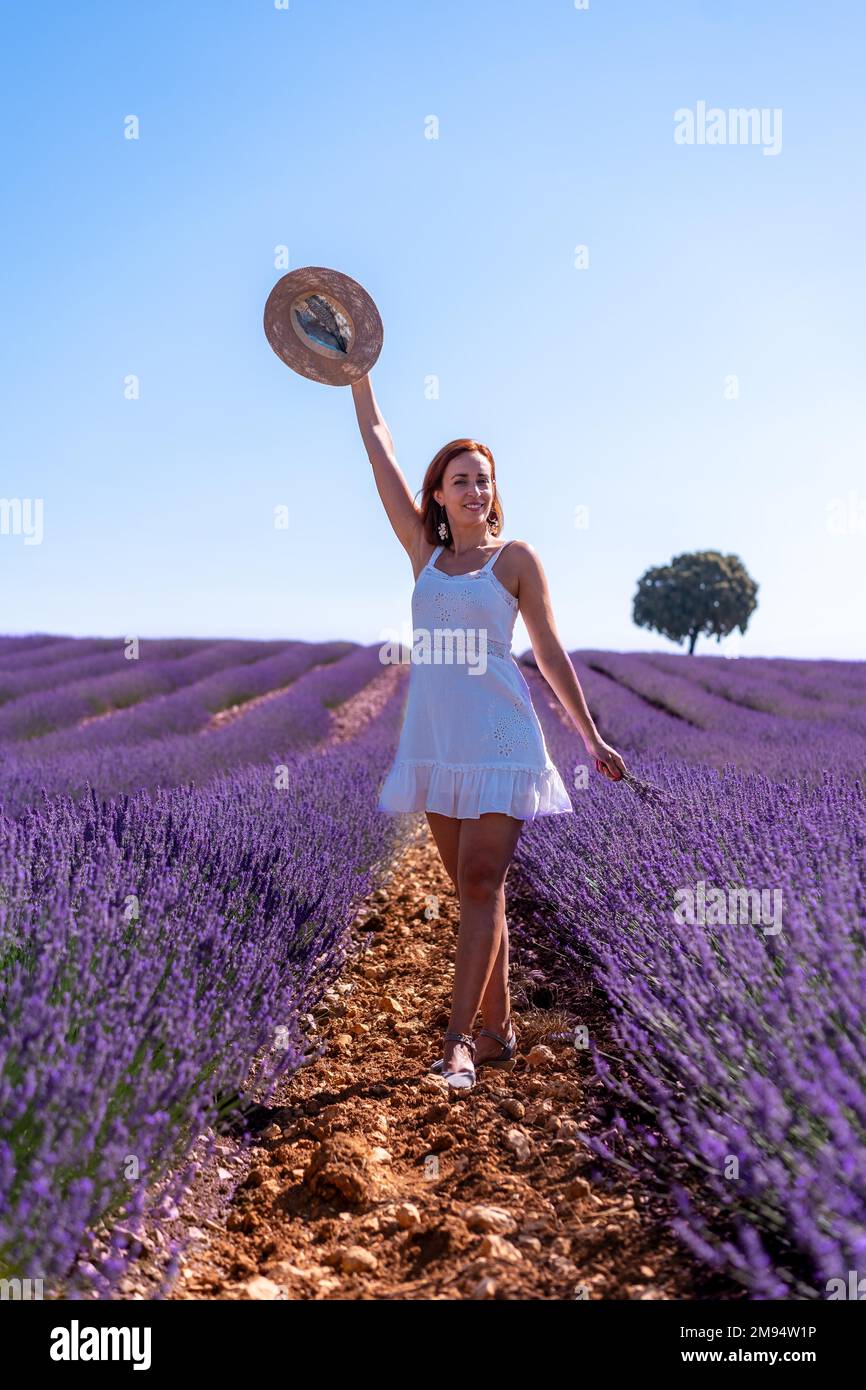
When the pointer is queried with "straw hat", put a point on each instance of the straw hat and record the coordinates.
(324, 325)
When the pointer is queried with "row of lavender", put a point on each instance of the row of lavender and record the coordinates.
(49, 697)
(141, 748)
(160, 946)
(739, 1014)
(780, 718)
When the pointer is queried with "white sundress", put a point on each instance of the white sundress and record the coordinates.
(471, 741)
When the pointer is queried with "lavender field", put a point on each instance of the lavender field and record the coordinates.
(175, 895)
(742, 1027)
(185, 840)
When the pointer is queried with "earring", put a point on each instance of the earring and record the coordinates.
(442, 527)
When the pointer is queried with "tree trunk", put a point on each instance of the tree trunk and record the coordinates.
(693, 637)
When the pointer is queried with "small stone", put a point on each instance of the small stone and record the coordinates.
(540, 1056)
(380, 1155)
(259, 1287)
(432, 1081)
(497, 1248)
(389, 1005)
(539, 1112)
(578, 1187)
(531, 1243)
(647, 1272)
(485, 1288)
(517, 1142)
(254, 1178)
(493, 1219)
(354, 1258)
(514, 1109)
(224, 1175)
(407, 1216)
(272, 1132)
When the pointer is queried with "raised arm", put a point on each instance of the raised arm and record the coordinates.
(393, 489)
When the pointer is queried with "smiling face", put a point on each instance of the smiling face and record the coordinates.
(466, 491)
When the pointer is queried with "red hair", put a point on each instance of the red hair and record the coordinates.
(431, 512)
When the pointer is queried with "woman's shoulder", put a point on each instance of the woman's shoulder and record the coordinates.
(520, 553)
(520, 565)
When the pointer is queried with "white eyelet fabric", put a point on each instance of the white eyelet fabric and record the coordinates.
(471, 741)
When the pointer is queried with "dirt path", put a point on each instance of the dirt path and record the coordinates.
(368, 1179)
(349, 718)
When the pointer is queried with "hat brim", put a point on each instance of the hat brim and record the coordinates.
(324, 325)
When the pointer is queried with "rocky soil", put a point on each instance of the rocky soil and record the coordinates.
(366, 1178)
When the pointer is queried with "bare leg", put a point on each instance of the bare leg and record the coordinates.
(485, 850)
(496, 1000)
(446, 832)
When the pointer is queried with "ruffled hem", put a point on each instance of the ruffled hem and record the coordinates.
(469, 792)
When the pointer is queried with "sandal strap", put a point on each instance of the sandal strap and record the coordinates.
(466, 1038)
(504, 1042)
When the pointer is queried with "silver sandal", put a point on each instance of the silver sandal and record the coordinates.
(509, 1047)
(464, 1078)
(506, 1061)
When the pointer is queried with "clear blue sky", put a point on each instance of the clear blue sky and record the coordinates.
(602, 387)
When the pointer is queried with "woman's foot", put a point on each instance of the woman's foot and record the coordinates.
(495, 1044)
(458, 1061)
(491, 1045)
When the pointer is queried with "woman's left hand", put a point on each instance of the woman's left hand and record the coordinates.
(607, 761)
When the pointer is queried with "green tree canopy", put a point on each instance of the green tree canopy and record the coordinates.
(701, 592)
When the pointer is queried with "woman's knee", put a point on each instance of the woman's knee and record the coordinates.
(480, 881)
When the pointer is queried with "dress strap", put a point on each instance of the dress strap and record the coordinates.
(493, 557)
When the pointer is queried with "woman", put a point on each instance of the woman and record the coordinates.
(471, 753)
